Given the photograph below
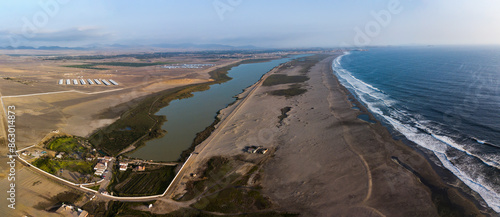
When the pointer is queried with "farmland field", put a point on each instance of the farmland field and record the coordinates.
(144, 183)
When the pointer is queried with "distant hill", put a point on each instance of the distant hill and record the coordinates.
(190, 46)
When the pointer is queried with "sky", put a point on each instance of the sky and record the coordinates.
(271, 24)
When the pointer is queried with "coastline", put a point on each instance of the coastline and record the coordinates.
(437, 178)
(326, 160)
(456, 187)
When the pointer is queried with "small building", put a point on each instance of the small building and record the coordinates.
(141, 168)
(262, 150)
(99, 172)
(123, 166)
(256, 149)
(251, 149)
(100, 166)
(60, 155)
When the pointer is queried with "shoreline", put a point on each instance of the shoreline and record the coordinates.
(446, 176)
(405, 154)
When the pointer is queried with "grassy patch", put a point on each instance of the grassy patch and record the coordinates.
(293, 90)
(95, 188)
(284, 79)
(53, 166)
(143, 183)
(216, 169)
(65, 144)
(227, 192)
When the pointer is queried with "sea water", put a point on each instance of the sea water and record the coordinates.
(444, 99)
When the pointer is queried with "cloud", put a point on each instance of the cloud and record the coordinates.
(77, 35)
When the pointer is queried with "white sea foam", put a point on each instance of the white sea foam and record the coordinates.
(425, 137)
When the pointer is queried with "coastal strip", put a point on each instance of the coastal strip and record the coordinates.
(327, 161)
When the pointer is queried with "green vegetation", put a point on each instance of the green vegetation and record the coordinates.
(86, 66)
(223, 190)
(217, 168)
(293, 90)
(65, 144)
(96, 187)
(150, 182)
(53, 166)
(284, 79)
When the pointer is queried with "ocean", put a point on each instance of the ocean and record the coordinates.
(444, 99)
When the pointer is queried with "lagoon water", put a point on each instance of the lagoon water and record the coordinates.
(188, 116)
(444, 99)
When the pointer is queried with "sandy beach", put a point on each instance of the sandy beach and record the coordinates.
(327, 162)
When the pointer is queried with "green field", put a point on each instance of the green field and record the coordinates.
(86, 66)
(143, 183)
(53, 166)
(65, 144)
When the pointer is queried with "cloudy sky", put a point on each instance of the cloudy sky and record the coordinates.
(277, 23)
